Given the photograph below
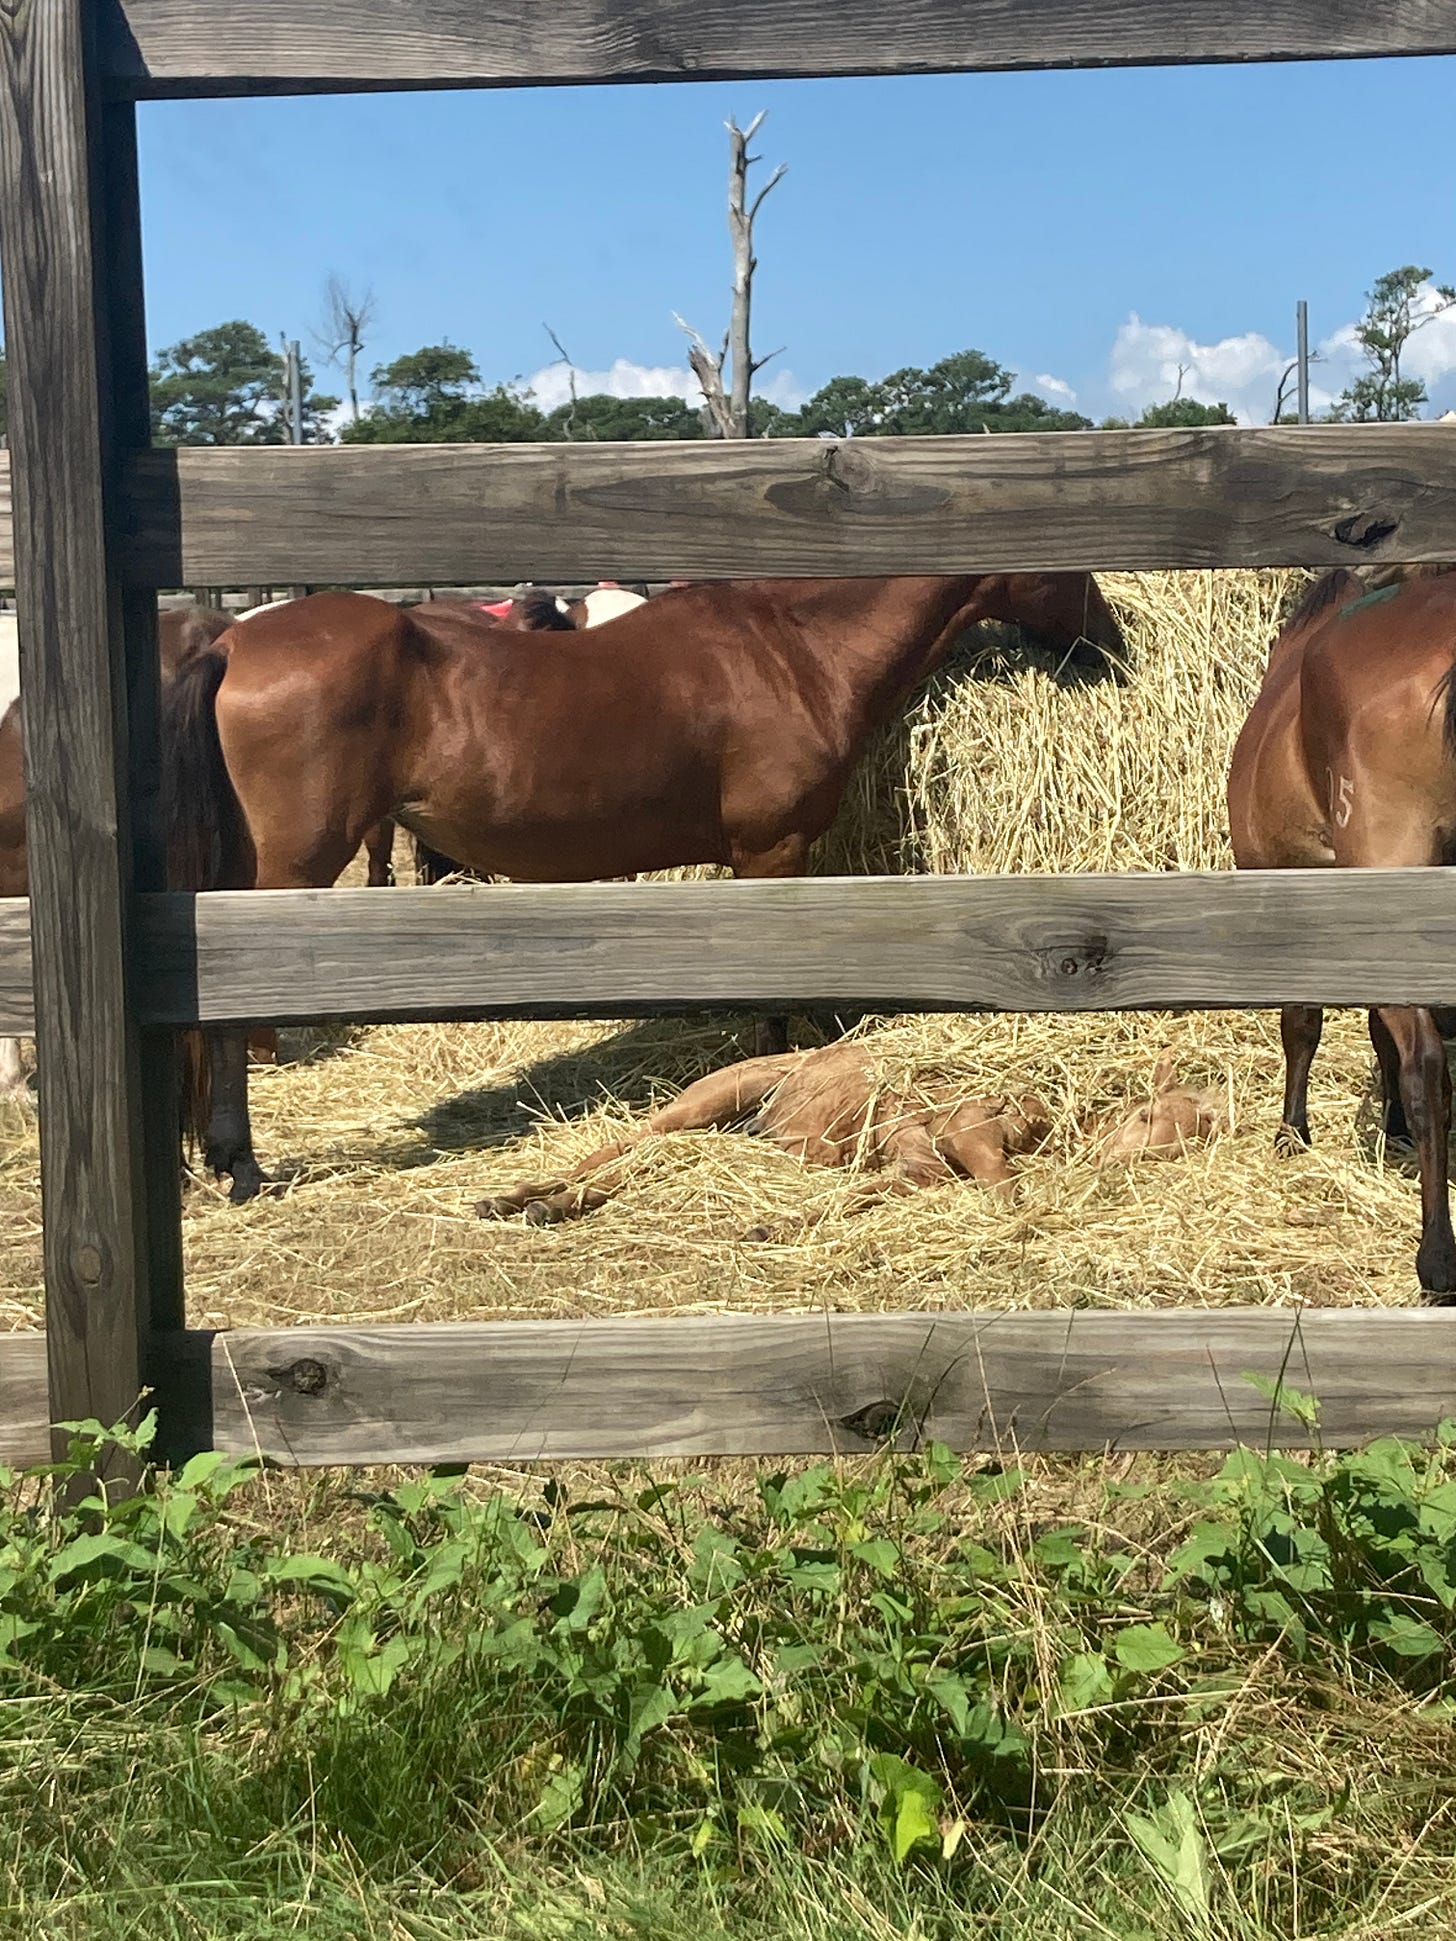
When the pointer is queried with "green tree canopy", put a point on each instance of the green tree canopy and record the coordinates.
(225, 386)
(1178, 413)
(1381, 394)
(433, 396)
(966, 391)
(602, 417)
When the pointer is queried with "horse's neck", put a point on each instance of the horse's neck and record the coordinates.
(880, 638)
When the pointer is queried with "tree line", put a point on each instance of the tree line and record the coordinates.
(227, 386)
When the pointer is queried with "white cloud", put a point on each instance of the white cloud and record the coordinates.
(623, 378)
(1055, 387)
(1241, 372)
(1244, 372)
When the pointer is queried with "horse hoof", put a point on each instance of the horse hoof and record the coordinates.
(1436, 1272)
(498, 1209)
(1290, 1140)
(249, 1180)
(759, 1233)
(540, 1213)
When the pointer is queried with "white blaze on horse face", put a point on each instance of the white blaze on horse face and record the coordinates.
(1342, 798)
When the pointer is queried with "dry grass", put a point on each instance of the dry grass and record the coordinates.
(388, 1136)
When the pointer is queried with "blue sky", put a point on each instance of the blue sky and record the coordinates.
(1032, 216)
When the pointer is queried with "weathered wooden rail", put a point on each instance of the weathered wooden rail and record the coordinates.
(93, 522)
(1327, 495)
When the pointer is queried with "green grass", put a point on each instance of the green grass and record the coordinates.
(912, 1698)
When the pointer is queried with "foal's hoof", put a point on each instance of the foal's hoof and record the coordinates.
(496, 1209)
(1289, 1140)
(541, 1213)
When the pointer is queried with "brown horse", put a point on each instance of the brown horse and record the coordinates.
(1348, 759)
(718, 723)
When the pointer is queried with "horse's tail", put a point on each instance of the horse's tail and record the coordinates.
(201, 822)
(1448, 689)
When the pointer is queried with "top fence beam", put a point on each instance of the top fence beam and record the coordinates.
(160, 48)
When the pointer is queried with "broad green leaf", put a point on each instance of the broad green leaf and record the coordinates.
(561, 1797)
(952, 1697)
(315, 1574)
(1172, 1842)
(577, 1602)
(728, 1681)
(81, 1553)
(1407, 1636)
(910, 1807)
(1289, 1401)
(880, 1555)
(1146, 1648)
(1085, 1682)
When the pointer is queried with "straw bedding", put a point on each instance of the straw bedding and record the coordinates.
(386, 1137)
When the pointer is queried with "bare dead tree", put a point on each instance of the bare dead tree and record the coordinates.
(1281, 395)
(563, 357)
(341, 336)
(1182, 373)
(727, 377)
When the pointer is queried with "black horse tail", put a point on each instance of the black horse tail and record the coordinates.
(1447, 690)
(202, 823)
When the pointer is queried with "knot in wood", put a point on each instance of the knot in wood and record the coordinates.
(88, 1264)
(1362, 530)
(1077, 957)
(307, 1376)
(874, 1422)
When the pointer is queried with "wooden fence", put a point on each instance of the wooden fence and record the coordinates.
(92, 522)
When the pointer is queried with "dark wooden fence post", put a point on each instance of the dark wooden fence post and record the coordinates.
(69, 239)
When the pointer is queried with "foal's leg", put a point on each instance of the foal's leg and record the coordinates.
(717, 1100)
(1425, 1090)
(787, 858)
(1393, 1120)
(1300, 1026)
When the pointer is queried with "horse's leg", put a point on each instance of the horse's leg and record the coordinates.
(379, 849)
(787, 858)
(1300, 1026)
(1393, 1120)
(1425, 1091)
(227, 1145)
(717, 1100)
(228, 1139)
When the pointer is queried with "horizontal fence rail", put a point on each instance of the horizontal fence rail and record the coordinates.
(1286, 496)
(1322, 495)
(781, 1385)
(161, 47)
(1007, 943)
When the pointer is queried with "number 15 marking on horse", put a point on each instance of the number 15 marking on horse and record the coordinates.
(1342, 798)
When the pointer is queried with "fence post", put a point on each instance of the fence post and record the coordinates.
(69, 238)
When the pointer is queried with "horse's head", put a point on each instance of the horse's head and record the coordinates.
(1171, 1121)
(1066, 612)
(537, 611)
